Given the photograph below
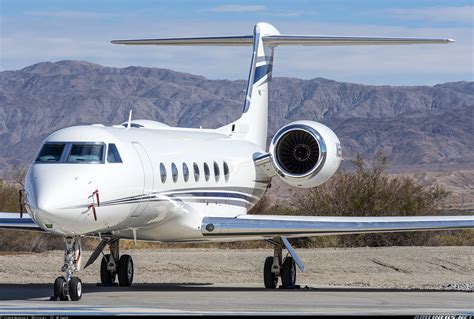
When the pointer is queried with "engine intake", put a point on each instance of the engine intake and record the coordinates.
(305, 153)
(297, 152)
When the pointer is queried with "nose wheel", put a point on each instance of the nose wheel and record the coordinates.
(68, 286)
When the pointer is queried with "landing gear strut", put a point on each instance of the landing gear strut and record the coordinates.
(68, 286)
(277, 266)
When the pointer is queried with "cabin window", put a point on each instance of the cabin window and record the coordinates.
(174, 172)
(113, 155)
(185, 172)
(163, 172)
(50, 153)
(207, 173)
(86, 153)
(196, 172)
(226, 172)
(216, 172)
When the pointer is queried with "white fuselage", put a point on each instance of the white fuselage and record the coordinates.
(135, 194)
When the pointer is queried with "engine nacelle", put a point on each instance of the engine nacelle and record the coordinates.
(305, 153)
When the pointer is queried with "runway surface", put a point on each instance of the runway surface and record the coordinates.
(178, 299)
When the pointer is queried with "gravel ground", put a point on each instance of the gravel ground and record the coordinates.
(446, 268)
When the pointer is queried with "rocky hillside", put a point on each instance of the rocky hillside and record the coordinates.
(414, 125)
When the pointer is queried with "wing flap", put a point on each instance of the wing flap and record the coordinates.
(266, 226)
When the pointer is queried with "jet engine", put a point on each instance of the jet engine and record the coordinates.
(305, 153)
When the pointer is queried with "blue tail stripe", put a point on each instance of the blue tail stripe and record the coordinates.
(261, 71)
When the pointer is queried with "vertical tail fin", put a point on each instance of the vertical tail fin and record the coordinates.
(253, 124)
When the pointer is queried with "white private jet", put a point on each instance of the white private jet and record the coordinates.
(145, 180)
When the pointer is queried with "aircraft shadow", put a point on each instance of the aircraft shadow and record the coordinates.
(43, 291)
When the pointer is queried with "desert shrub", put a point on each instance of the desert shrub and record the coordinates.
(368, 191)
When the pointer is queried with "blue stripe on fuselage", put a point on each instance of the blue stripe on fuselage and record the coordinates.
(211, 194)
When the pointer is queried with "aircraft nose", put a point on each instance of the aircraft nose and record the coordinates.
(39, 199)
(44, 198)
(58, 200)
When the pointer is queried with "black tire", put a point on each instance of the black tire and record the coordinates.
(125, 271)
(269, 278)
(75, 289)
(106, 277)
(288, 273)
(60, 289)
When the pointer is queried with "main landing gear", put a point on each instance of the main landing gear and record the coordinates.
(113, 265)
(276, 267)
(68, 286)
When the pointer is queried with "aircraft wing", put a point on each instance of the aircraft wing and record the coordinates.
(268, 226)
(15, 221)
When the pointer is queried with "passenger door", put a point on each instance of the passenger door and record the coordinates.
(148, 181)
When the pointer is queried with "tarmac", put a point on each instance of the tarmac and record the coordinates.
(230, 299)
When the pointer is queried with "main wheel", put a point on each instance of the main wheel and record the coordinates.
(288, 273)
(60, 288)
(269, 278)
(106, 277)
(125, 271)
(75, 289)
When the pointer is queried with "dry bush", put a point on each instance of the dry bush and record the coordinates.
(370, 192)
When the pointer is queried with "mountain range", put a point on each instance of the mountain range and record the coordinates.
(413, 125)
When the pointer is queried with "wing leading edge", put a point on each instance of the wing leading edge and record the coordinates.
(14, 221)
(267, 226)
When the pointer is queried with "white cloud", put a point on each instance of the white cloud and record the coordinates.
(238, 8)
(463, 14)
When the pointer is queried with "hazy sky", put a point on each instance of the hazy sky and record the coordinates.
(35, 31)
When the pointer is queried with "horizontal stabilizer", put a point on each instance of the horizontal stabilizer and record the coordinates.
(330, 40)
(276, 40)
(224, 41)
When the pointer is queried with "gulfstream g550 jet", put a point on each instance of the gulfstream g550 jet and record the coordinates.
(145, 180)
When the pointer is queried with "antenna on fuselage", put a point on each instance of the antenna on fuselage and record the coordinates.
(129, 124)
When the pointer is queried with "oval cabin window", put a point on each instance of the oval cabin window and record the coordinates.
(163, 172)
(185, 172)
(217, 173)
(196, 172)
(207, 173)
(226, 172)
(174, 172)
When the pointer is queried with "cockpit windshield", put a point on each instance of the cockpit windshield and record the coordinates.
(75, 152)
(86, 153)
(51, 153)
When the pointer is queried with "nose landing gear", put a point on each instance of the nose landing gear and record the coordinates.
(68, 286)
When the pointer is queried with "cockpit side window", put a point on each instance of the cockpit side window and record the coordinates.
(113, 155)
(51, 153)
(86, 153)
